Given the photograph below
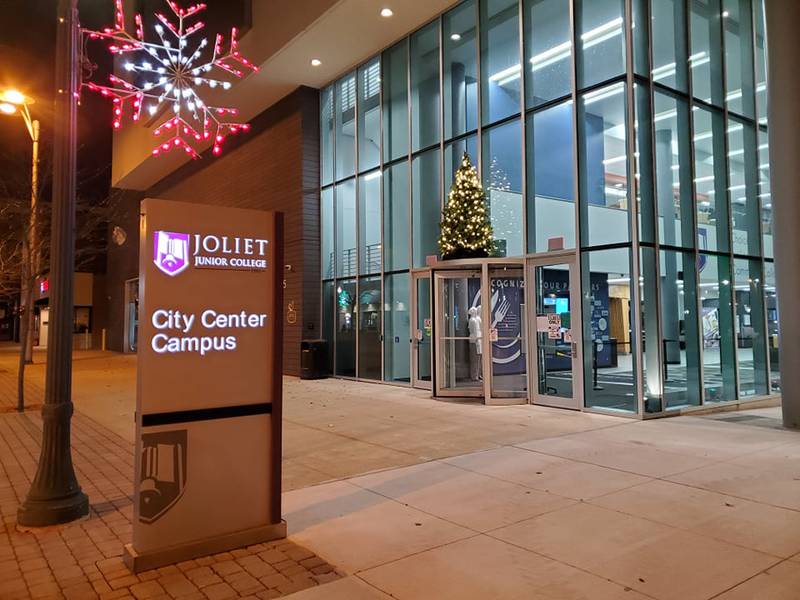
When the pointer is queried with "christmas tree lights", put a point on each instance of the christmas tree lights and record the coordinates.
(466, 231)
(172, 72)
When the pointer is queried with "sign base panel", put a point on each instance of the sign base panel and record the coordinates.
(137, 562)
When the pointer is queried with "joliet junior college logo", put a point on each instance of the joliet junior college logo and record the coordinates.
(171, 253)
(163, 476)
(174, 252)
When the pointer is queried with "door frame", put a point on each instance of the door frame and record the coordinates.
(416, 382)
(569, 258)
(438, 276)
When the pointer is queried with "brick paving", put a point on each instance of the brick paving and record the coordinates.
(83, 560)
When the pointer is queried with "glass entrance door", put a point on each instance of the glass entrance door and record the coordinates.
(555, 327)
(422, 331)
(459, 334)
(507, 331)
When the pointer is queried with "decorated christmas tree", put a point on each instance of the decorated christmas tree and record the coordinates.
(466, 231)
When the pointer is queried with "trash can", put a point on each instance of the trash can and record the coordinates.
(313, 359)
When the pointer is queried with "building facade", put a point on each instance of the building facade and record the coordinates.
(623, 147)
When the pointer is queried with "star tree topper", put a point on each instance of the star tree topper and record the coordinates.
(171, 72)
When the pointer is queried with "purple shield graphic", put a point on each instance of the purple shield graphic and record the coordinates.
(171, 252)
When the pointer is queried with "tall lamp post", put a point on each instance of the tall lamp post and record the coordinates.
(55, 495)
(13, 102)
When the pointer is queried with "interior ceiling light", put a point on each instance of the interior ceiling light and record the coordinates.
(315, 62)
(387, 12)
(455, 37)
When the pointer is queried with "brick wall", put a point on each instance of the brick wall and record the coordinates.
(273, 167)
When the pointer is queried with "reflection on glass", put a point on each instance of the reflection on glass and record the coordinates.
(551, 181)
(679, 330)
(326, 233)
(705, 60)
(652, 372)
(548, 51)
(453, 153)
(507, 310)
(501, 72)
(554, 331)
(328, 319)
(369, 223)
(426, 205)
(773, 339)
(502, 177)
(397, 324)
(739, 89)
(750, 324)
(345, 126)
(395, 101)
(607, 345)
(423, 332)
(395, 214)
(743, 187)
(669, 42)
(673, 171)
(765, 193)
(369, 115)
(346, 228)
(603, 166)
(425, 87)
(716, 316)
(460, 84)
(369, 328)
(709, 172)
(644, 180)
(326, 135)
(345, 299)
(601, 40)
(761, 61)
(460, 347)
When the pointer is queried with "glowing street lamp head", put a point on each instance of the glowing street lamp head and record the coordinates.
(14, 97)
(7, 108)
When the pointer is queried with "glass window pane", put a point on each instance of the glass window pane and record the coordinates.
(502, 177)
(608, 362)
(548, 51)
(346, 126)
(453, 153)
(679, 330)
(716, 306)
(369, 328)
(395, 214)
(644, 180)
(425, 87)
(426, 205)
(369, 115)
(669, 42)
(346, 328)
(397, 349)
(551, 180)
(369, 223)
(739, 90)
(328, 317)
(601, 40)
(765, 193)
(500, 64)
(326, 233)
(750, 323)
(346, 229)
(395, 101)
(326, 135)
(460, 70)
(706, 53)
(603, 167)
(709, 180)
(743, 188)
(673, 171)
(773, 339)
(641, 32)
(761, 61)
(652, 372)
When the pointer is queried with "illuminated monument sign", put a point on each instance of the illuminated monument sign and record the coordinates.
(208, 413)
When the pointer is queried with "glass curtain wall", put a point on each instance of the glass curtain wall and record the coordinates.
(641, 145)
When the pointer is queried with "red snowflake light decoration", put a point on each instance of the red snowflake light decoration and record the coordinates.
(171, 72)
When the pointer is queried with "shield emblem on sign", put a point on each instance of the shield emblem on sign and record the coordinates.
(171, 252)
(163, 473)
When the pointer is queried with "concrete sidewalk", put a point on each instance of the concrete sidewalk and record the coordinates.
(413, 498)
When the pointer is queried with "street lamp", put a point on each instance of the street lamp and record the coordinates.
(55, 495)
(14, 102)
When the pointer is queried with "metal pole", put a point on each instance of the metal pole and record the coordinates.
(55, 496)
